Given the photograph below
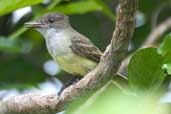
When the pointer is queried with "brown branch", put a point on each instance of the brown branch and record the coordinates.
(30, 104)
(109, 64)
(150, 40)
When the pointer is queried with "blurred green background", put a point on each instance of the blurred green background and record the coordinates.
(24, 61)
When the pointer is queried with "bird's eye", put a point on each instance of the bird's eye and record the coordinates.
(51, 20)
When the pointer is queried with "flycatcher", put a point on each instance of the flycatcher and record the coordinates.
(75, 53)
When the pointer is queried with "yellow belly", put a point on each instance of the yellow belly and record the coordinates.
(75, 64)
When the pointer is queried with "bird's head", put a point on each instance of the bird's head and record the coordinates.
(49, 21)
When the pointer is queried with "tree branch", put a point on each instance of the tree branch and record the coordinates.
(109, 64)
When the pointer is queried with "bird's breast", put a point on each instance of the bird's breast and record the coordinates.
(58, 43)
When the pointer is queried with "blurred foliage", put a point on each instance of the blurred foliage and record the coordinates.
(165, 51)
(111, 100)
(164, 48)
(9, 45)
(168, 68)
(87, 6)
(53, 4)
(7, 6)
(23, 52)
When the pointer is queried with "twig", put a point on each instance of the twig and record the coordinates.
(157, 33)
(109, 64)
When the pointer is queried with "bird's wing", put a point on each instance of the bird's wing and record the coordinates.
(85, 48)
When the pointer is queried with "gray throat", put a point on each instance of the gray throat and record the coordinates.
(58, 41)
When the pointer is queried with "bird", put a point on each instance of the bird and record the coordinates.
(74, 52)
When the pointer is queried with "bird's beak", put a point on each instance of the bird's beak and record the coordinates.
(34, 24)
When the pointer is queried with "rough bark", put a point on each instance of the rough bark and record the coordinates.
(109, 64)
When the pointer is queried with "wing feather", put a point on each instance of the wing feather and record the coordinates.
(82, 46)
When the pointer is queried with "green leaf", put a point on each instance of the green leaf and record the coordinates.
(14, 45)
(19, 70)
(168, 68)
(7, 6)
(53, 4)
(17, 33)
(83, 7)
(106, 10)
(165, 47)
(145, 70)
(165, 51)
(78, 7)
(167, 63)
(8, 45)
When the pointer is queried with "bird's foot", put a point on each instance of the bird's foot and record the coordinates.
(73, 80)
